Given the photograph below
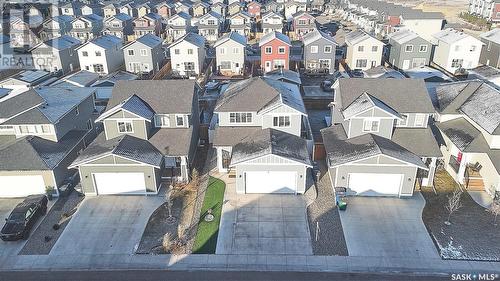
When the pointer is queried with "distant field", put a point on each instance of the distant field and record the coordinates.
(450, 8)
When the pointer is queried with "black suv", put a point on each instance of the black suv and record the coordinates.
(24, 216)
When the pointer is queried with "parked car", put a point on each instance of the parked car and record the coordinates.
(24, 216)
(357, 73)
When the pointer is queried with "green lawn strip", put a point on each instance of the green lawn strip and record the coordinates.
(206, 236)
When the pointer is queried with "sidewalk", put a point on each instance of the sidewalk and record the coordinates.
(246, 263)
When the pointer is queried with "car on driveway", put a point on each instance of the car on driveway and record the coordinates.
(24, 216)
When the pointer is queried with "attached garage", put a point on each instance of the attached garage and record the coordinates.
(21, 186)
(271, 182)
(369, 184)
(120, 183)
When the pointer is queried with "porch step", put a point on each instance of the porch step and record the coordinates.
(475, 185)
(232, 174)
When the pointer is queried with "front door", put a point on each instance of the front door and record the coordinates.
(226, 159)
(406, 64)
(268, 66)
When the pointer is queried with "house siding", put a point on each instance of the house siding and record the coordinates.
(230, 56)
(241, 169)
(310, 57)
(490, 54)
(398, 55)
(153, 60)
(71, 121)
(139, 129)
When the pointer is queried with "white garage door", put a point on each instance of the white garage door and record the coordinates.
(21, 186)
(375, 184)
(271, 182)
(120, 183)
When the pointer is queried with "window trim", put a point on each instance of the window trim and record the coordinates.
(124, 122)
(314, 49)
(371, 125)
(276, 119)
(405, 119)
(270, 50)
(281, 48)
(183, 121)
(247, 115)
(406, 48)
(327, 46)
(426, 48)
(158, 117)
(423, 120)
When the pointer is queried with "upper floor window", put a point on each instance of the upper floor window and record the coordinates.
(370, 125)
(281, 50)
(457, 63)
(179, 120)
(97, 53)
(162, 120)
(281, 121)
(211, 22)
(269, 50)
(361, 48)
(144, 52)
(472, 48)
(403, 121)
(375, 48)
(409, 48)
(420, 120)
(302, 22)
(190, 51)
(314, 49)
(240, 117)
(236, 50)
(130, 52)
(177, 51)
(327, 49)
(222, 50)
(85, 54)
(423, 48)
(125, 127)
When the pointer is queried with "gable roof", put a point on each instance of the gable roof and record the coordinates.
(274, 35)
(105, 41)
(451, 36)
(271, 14)
(19, 103)
(60, 43)
(119, 16)
(285, 75)
(364, 102)
(492, 35)
(403, 36)
(314, 35)
(192, 38)
(148, 39)
(358, 36)
(235, 36)
(271, 141)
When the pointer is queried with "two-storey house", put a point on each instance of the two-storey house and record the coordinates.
(363, 50)
(165, 9)
(129, 9)
(469, 122)
(42, 131)
(275, 51)
(241, 23)
(200, 8)
(150, 23)
(145, 55)
(272, 22)
(408, 50)
(261, 136)
(150, 136)
(425, 24)
(110, 10)
(379, 144)
(254, 9)
(303, 23)
(57, 54)
(184, 6)
(119, 25)
(101, 55)
(178, 25)
(230, 54)
(73, 8)
(235, 7)
(56, 27)
(219, 8)
(456, 50)
(187, 55)
(86, 27)
(144, 9)
(92, 9)
(319, 52)
(490, 53)
(210, 26)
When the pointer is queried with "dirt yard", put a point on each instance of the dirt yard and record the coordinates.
(450, 8)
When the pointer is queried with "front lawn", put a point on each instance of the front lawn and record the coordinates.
(471, 235)
(206, 236)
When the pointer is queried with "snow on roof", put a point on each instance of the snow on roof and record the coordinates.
(403, 36)
(451, 35)
(492, 35)
(314, 35)
(274, 35)
(235, 36)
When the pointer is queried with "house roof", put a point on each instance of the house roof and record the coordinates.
(284, 75)
(464, 135)
(357, 36)
(19, 103)
(271, 141)
(162, 96)
(314, 35)
(364, 102)
(61, 43)
(383, 72)
(492, 35)
(485, 72)
(119, 16)
(82, 78)
(259, 93)
(341, 150)
(35, 153)
(403, 36)
(105, 41)
(402, 95)
(183, 15)
(450, 36)
(419, 14)
(192, 38)
(427, 73)
(127, 146)
(271, 14)
(420, 141)
(230, 136)
(172, 142)
(235, 36)
(148, 39)
(274, 35)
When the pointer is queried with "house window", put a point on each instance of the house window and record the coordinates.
(125, 127)
(240, 117)
(370, 126)
(89, 124)
(85, 54)
(403, 121)
(374, 48)
(225, 65)
(190, 51)
(99, 68)
(423, 48)
(179, 120)
(327, 49)
(177, 51)
(457, 63)
(302, 22)
(361, 63)
(97, 53)
(361, 48)
(130, 52)
(281, 121)
(281, 50)
(314, 49)
(279, 63)
(162, 120)
(409, 48)
(269, 50)
(144, 52)
(236, 50)
(420, 120)
(222, 51)
(472, 48)
(211, 22)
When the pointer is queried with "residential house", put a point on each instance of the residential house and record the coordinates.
(26, 79)
(272, 6)
(487, 9)
(275, 51)
(285, 75)
(86, 27)
(241, 23)
(200, 8)
(157, 118)
(119, 25)
(80, 79)
(144, 9)
(145, 55)
(303, 23)
(104, 85)
(210, 26)
(293, 7)
(272, 22)
(73, 8)
(317, 6)
(235, 7)
(254, 9)
(56, 27)
(187, 55)
(379, 144)
(57, 54)
(490, 53)
(92, 9)
(25, 33)
(261, 136)
(42, 131)
(165, 9)
(184, 6)
(219, 8)
(230, 54)
(319, 52)
(150, 23)
(178, 25)
(110, 10)
(101, 55)
(129, 9)
(363, 50)
(424, 24)
(456, 50)
(408, 50)
(485, 73)
(469, 122)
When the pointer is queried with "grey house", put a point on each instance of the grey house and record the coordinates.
(319, 52)
(56, 27)
(119, 25)
(87, 27)
(145, 55)
(490, 53)
(42, 131)
(150, 135)
(57, 54)
(408, 50)
(262, 136)
(379, 144)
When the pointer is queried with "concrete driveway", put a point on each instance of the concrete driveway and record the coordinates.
(9, 248)
(386, 227)
(263, 224)
(107, 225)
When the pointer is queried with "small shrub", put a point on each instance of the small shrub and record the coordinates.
(56, 226)
(167, 242)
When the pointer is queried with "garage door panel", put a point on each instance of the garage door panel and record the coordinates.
(271, 182)
(366, 184)
(21, 186)
(119, 183)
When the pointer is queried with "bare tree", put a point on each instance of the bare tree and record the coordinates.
(167, 242)
(169, 204)
(454, 203)
(494, 208)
